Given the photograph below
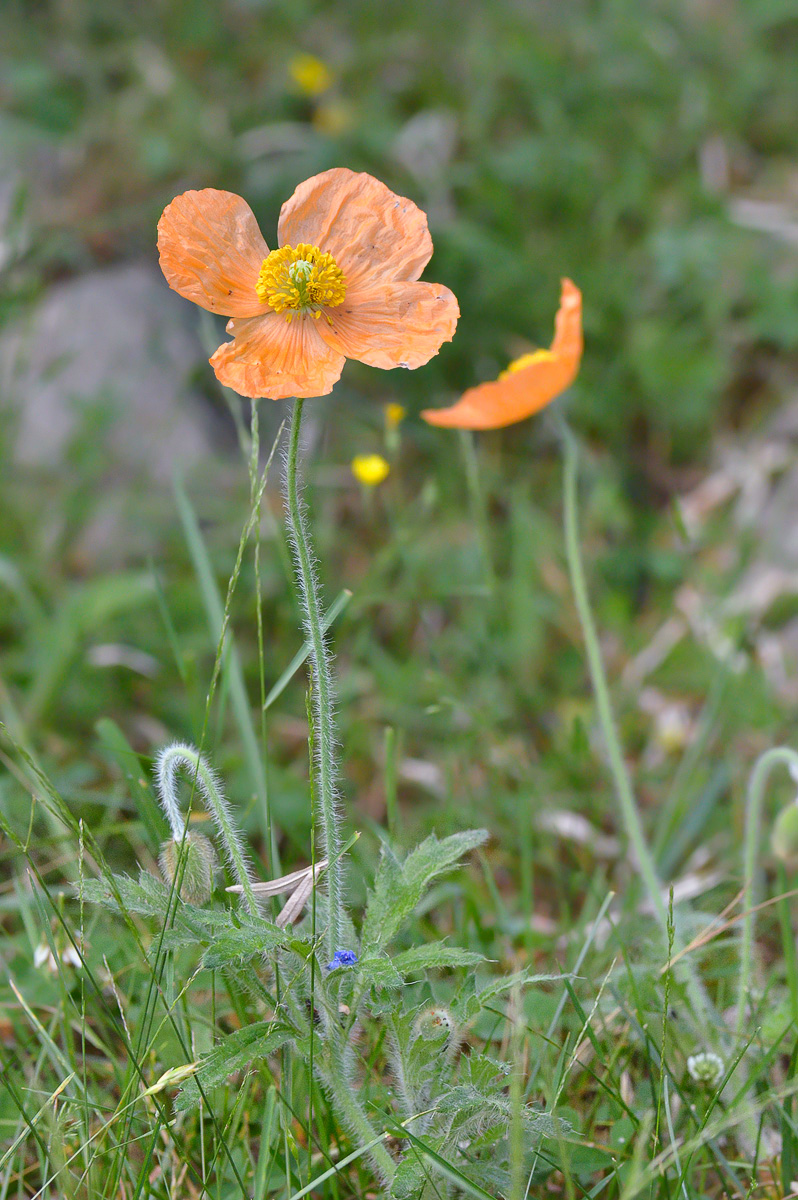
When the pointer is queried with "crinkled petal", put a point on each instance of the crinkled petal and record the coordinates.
(211, 251)
(394, 325)
(275, 358)
(524, 392)
(372, 233)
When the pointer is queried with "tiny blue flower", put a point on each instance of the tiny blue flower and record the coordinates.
(342, 958)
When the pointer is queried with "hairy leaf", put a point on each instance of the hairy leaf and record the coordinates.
(250, 940)
(472, 1000)
(435, 955)
(236, 1051)
(398, 887)
(148, 897)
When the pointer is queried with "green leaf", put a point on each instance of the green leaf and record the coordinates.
(413, 1173)
(117, 746)
(148, 897)
(251, 940)
(391, 972)
(337, 607)
(471, 1002)
(399, 887)
(235, 1052)
(434, 956)
(429, 1162)
(378, 969)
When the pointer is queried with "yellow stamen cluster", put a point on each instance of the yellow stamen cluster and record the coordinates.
(526, 360)
(300, 279)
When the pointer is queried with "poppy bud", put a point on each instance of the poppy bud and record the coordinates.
(198, 866)
(784, 837)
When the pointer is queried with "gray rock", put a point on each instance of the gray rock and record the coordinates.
(118, 339)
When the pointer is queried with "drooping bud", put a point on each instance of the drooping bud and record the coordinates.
(198, 866)
(784, 837)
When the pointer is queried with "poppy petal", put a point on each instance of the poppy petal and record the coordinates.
(276, 359)
(395, 325)
(521, 392)
(211, 251)
(568, 342)
(372, 233)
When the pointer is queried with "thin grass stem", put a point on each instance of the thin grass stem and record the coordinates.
(479, 505)
(618, 769)
(757, 783)
(620, 775)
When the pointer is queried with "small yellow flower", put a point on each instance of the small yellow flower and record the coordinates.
(333, 117)
(310, 74)
(394, 415)
(370, 469)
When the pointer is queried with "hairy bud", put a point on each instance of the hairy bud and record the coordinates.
(198, 866)
(434, 1023)
(784, 837)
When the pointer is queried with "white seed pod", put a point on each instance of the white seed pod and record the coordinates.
(198, 866)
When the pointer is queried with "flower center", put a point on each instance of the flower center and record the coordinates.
(526, 360)
(300, 279)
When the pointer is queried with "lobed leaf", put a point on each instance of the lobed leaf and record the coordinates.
(474, 999)
(398, 887)
(434, 956)
(250, 940)
(234, 1053)
(148, 897)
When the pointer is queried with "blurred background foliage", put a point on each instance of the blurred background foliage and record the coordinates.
(648, 149)
(626, 143)
(605, 140)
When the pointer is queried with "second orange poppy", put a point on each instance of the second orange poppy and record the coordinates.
(529, 383)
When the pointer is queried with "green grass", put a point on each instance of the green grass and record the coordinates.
(589, 1047)
(464, 691)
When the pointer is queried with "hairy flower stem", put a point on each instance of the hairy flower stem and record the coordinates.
(323, 696)
(757, 782)
(169, 761)
(349, 1110)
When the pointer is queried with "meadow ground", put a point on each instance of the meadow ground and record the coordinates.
(649, 152)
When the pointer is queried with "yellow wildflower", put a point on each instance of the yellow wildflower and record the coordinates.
(370, 469)
(310, 74)
(394, 415)
(333, 117)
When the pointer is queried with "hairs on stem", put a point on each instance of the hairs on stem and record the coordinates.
(323, 694)
(168, 762)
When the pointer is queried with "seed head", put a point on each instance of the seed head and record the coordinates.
(198, 867)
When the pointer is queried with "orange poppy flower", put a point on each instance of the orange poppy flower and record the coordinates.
(342, 284)
(529, 383)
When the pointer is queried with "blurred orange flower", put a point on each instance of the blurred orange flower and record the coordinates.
(343, 283)
(529, 383)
